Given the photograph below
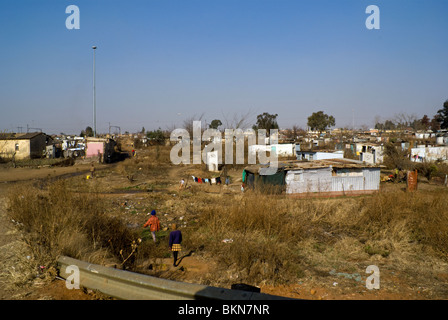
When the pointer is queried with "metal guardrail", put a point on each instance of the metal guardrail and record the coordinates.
(127, 285)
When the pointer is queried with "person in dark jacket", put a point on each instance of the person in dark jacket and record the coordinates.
(175, 241)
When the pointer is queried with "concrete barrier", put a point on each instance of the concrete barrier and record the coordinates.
(127, 285)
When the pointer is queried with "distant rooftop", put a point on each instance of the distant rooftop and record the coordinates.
(314, 164)
(19, 136)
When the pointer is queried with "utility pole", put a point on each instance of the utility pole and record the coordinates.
(353, 112)
(94, 94)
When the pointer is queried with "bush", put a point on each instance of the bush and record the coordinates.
(59, 222)
(395, 157)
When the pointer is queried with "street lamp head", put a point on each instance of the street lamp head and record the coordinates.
(94, 47)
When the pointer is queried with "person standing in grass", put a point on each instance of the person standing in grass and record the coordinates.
(154, 224)
(182, 184)
(175, 241)
(92, 170)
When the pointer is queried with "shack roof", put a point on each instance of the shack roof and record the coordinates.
(313, 164)
(320, 151)
(19, 136)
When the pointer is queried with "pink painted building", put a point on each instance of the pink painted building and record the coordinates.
(95, 146)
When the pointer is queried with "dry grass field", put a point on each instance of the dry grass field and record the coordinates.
(310, 248)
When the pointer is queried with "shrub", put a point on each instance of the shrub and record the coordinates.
(59, 222)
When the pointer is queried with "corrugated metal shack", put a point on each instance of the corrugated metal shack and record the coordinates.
(331, 177)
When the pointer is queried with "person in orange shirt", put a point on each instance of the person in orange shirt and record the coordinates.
(154, 224)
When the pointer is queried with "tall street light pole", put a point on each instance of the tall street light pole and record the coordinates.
(94, 94)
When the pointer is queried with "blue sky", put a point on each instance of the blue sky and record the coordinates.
(160, 62)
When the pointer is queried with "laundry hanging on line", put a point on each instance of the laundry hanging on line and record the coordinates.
(211, 181)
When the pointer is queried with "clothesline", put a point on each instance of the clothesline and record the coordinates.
(211, 181)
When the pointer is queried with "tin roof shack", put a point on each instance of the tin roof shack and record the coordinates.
(318, 155)
(280, 150)
(255, 177)
(95, 147)
(371, 153)
(72, 146)
(331, 177)
(283, 150)
(422, 154)
(23, 145)
(104, 149)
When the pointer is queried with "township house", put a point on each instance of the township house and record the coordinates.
(103, 148)
(23, 145)
(330, 177)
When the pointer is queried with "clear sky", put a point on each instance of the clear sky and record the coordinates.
(159, 62)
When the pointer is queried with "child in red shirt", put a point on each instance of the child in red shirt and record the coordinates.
(154, 224)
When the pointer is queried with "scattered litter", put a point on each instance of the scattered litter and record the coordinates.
(227, 240)
(335, 284)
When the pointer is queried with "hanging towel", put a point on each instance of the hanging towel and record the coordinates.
(213, 180)
(206, 180)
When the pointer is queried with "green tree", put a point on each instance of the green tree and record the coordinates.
(320, 121)
(425, 122)
(87, 133)
(389, 125)
(266, 121)
(215, 124)
(443, 116)
(156, 136)
(435, 123)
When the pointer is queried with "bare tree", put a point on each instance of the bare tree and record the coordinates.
(238, 121)
(405, 120)
(188, 123)
(294, 132)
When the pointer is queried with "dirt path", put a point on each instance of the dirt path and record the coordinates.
(9, 175)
